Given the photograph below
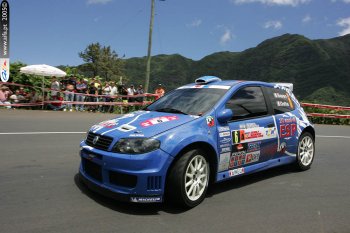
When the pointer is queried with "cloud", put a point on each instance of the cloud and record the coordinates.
(306, 19)
(275, 2)
(226, 37)
(90, 2)
(345, 23)
(275, 24)
(194, 23)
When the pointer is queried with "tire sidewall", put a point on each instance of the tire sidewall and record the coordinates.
(191, 154)
(300, 165)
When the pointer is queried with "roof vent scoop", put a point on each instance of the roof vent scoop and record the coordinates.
(207, 79)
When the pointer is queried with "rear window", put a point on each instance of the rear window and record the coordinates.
(281, 100)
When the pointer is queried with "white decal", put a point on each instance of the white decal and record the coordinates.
(236, 172)
(224, 162)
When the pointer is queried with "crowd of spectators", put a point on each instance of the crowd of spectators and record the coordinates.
(75, 92)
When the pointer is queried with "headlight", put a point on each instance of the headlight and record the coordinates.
(136, 145)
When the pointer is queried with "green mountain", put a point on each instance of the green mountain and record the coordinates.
(319, 69)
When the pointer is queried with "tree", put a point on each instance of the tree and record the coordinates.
(102, 61)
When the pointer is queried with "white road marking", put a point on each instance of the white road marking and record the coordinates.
(325, 136)
(31, 133)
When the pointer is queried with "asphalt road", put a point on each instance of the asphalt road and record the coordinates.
(39, 191)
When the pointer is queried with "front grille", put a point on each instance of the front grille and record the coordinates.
(122, 179)
(102, 143)
(92, 169)
(154, 183)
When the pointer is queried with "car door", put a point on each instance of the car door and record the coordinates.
(252, 132)
(285, 119)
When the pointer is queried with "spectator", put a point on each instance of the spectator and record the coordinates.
(131, 91)
(160, 91)
(106, 91)
(81, 88)
(114, 93)
(55, 87)
(139, 91)
(69, 93)
(3, 96)
(92, 91)
(56, 106)
(17, 97)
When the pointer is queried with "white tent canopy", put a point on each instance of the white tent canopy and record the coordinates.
(43, 70)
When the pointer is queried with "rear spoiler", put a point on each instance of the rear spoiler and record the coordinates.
(287, 85)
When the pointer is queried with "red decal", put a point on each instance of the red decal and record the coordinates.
(157, 120)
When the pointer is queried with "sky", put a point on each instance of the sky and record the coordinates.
(53, 32)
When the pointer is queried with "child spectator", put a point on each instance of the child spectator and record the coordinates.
(160, 91)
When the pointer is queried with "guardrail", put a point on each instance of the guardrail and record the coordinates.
(327, 115)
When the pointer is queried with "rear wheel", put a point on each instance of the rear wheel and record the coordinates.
(188, 179)
(306, 151)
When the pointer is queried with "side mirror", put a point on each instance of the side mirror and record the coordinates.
(225, 115)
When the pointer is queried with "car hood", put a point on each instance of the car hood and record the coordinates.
(140, 124)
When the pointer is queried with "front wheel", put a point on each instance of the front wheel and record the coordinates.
(188, 179)
(306, 151)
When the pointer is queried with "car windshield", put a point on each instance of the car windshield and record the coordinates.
(191, 101)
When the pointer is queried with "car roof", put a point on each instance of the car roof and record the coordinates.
(227, 83)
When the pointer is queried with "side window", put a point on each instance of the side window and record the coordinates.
(247, 102)
(281, 101)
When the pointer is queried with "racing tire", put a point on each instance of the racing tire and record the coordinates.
(306, 151)
(188, 179)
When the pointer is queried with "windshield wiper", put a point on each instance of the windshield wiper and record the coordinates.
(172, 110)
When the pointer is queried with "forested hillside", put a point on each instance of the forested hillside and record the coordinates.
(319, 69)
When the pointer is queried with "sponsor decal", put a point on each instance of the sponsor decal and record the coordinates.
(255, 146)
(253, 134)
(282, 148)
(280, 96)
(224, 162)
(223, 128)
(241, 158)
(248, 126)
(236, 172)
(224, 134)
(5, 69)
(158, 120)
(252, 157)
(239, 147)
(225, 140)
(5, 41)
(210, 121)
(271, 132)
(109, 123)
(282, 104)
(145, 199)
(237, 159)
(225, 149)
(225, 145)
(136, 135)
(288, 127)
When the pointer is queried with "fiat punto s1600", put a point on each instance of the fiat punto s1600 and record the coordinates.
(198, 134)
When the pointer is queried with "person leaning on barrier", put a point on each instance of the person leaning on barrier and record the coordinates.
(92, 91)
(114, 93)
(140, 91)
(3, 96)
(81, 89)
(55, 87)
(69, 93)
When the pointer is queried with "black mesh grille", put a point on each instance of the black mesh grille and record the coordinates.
(92, 169)
(102, 143)
(121, 179)
(154, 183)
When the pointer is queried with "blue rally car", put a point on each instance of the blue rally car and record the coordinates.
(198, 134)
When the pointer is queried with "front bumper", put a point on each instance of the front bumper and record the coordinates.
(135, 178)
